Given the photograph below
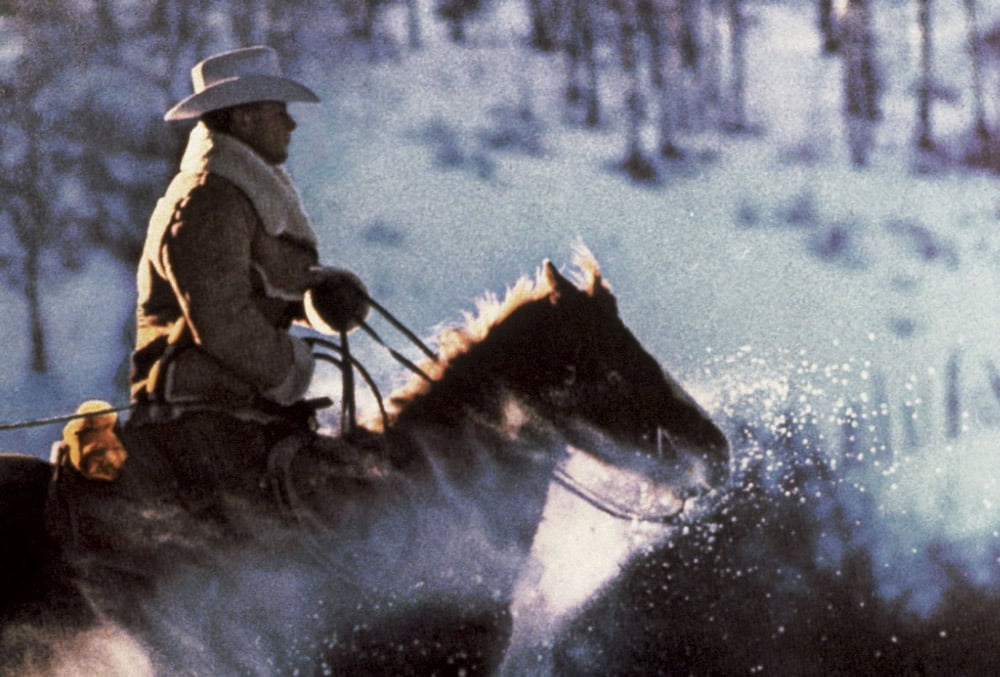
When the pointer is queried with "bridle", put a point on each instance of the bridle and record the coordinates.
(610, 506)
(347, 363)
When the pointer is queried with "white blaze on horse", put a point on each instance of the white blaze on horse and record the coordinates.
(408, 569)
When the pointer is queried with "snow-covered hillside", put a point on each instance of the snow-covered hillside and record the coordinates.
(768, 246)
(767, 241)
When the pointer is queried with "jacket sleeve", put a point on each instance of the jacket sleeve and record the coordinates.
(206, 255)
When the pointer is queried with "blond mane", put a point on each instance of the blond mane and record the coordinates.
(490, 311)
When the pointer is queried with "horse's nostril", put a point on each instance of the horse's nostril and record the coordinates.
(719, 448)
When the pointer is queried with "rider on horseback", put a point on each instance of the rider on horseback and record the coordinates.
(217, 379)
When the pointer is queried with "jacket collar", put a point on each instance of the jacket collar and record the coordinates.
(269, 187)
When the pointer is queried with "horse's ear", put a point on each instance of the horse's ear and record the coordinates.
(600, 291)
(598, 286)
(557, 283)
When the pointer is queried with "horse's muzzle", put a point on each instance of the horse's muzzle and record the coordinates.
(707, 458)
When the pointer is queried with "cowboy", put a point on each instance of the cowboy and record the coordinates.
(229, 256)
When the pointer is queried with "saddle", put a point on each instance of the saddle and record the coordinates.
(198, 464)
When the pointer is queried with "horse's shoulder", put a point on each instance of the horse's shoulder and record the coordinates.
(14, 464)
(24, 482)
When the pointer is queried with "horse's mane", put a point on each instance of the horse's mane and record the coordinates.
(457, 339)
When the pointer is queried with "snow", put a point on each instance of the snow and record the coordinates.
(84, 327)
(767, 270)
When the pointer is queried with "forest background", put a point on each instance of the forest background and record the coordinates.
(795, 202)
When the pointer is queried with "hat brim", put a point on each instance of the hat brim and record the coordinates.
(240, 90)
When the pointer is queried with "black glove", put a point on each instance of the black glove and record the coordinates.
(337, 301)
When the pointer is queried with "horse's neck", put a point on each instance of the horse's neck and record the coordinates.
(484, 439)
(451, 402)
(486, 448)
(501, 484)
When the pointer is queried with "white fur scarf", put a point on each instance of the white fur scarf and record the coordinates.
(269, 187)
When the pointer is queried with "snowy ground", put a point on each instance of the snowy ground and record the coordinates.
(754, 271)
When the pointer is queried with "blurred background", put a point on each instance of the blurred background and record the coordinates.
(796, 203)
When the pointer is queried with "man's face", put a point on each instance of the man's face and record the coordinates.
(266, 127)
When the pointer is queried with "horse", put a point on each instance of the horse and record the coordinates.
(403, 566)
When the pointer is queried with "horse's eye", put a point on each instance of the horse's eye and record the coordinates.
(614, 378)
(569, 374)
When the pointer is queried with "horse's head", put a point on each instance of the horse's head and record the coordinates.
(563, 351)
(600, 376)
(612, 397)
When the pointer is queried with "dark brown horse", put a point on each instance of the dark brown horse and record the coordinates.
(406, 569)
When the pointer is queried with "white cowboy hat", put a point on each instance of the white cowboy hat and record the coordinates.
(239, 76)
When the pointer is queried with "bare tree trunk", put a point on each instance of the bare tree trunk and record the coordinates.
(107, 24)
(712, 82)
(456, 31)
(737, 104)
(32, 225)
(574, 54)
(191, 21)
(828, 28)
(370, 18)
(655, 22)
(953, 398)
(582, 88)
(168, 20)
(690, 33)
(976, 53)
(924, 134)
(29, 232)
(279, 32)
(635, 163)
(32, 272)
(455, 13)
(244, 21)
(588, 44)
(699, 27)
(544, 20)
(862, 89)
(413, 31)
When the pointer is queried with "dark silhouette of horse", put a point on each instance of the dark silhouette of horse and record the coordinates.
(406, 566)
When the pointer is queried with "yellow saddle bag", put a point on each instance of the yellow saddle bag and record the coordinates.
(90, 445)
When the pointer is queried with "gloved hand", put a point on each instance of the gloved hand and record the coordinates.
(337, 301)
